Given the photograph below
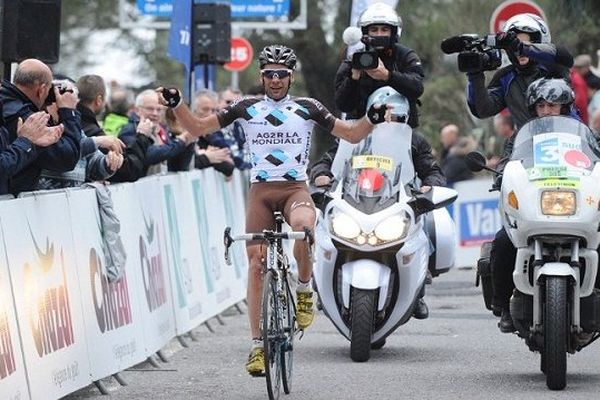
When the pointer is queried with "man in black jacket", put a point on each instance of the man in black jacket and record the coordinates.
(398, 67)
(92, 100)
(28, 94)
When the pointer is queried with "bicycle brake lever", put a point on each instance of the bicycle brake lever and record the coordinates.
(311, 241)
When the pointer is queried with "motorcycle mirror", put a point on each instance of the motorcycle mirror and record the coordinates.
(475, 161)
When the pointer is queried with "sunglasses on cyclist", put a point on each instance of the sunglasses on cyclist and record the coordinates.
(279, 73)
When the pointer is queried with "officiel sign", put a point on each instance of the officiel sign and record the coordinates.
(509, 9)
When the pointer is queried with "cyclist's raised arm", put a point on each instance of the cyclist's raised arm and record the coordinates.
(352, 131)
(171, 97)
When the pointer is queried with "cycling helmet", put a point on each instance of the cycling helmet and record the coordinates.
(531, 24)
(381, 14)
(277, 54)
(555, 91)
(387, 95)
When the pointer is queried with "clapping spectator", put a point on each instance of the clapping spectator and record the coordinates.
(149, 114)
(28, 95)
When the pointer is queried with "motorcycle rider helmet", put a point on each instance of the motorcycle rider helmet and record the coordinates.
(277, 54)
(381, 14)
(389, 96)
(555, 91)
(531, 24)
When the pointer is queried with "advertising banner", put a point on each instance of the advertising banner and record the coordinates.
(113, 322)
(154, 287)
(477, 218)
(190, 296)
(39, 246)
(13, 381)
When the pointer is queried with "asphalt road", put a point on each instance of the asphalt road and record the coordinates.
(458, 353)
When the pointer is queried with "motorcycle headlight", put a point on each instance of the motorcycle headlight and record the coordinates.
(558, 202)
(345, 226)
(392, 228)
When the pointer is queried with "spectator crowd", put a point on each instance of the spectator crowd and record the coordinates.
(58, 132)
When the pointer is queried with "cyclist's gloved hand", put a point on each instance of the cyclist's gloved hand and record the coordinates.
(170, 97)
(376, 113)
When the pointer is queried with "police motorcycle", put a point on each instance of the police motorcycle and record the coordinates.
(550, 208)
(372, 248)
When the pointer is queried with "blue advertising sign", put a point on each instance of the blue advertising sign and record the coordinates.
(157, 8)
(240, 9)
(479, 221)
(180, 35)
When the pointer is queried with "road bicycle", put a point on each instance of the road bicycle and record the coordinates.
(278, 310)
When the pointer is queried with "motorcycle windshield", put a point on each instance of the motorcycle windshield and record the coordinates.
(556, 147)
(373, 171)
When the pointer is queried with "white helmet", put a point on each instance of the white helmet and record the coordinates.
(381, 14)
(531, 24)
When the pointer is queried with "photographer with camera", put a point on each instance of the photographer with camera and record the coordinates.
(28, 95)
(526, 40)
(384, 62)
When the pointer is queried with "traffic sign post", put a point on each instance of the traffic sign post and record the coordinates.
(509, 9)
(241, 55)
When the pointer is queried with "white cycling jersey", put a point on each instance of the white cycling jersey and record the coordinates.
(278, 133)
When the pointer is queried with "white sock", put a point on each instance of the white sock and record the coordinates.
(304, 286)
(256, 343)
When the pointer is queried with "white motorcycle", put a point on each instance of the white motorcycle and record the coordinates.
(372, 248)
(550, 208)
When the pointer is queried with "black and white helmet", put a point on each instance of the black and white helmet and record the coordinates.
(381, 14)
(277, 54)
(531, 24)
(556, 91)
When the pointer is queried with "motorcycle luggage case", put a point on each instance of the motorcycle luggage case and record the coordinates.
(440, 230)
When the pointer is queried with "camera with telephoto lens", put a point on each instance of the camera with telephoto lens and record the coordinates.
(368, 58)
(63, 87)
(475, 54)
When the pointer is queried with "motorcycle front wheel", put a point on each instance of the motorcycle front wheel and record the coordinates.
(362, 304)
(555, 332)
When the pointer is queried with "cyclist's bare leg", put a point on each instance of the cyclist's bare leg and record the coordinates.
(255, 284)
(302, 215)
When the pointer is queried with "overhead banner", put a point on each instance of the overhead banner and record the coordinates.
(46, 291)
(13, 381)
(113, 321)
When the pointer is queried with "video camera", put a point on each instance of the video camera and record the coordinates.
(368, 58)
(475, 54)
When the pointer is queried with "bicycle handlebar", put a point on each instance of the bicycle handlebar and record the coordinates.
(267, 235)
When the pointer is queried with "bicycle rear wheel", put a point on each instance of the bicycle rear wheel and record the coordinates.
(289, 328)
(271, 332)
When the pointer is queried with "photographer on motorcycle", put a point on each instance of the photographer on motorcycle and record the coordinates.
(398, 67)
(545, 97)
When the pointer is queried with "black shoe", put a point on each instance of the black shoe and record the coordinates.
(506, 323)
(428, 278)
(420, 311)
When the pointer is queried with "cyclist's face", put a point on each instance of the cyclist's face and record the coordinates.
(276, 84)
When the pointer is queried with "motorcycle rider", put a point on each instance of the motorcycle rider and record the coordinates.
(545, 97)
(400, 68)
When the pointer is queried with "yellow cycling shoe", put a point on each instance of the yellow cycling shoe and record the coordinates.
(305, 311)
(256, 362)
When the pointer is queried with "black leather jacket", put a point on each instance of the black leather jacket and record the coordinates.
(406, 76)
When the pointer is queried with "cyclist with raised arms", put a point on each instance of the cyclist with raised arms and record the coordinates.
(278, 129)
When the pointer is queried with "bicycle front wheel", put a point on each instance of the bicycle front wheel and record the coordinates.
(289, 327)
(271, 332)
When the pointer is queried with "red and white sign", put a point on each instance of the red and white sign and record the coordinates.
(241, 54)
(509, 9)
